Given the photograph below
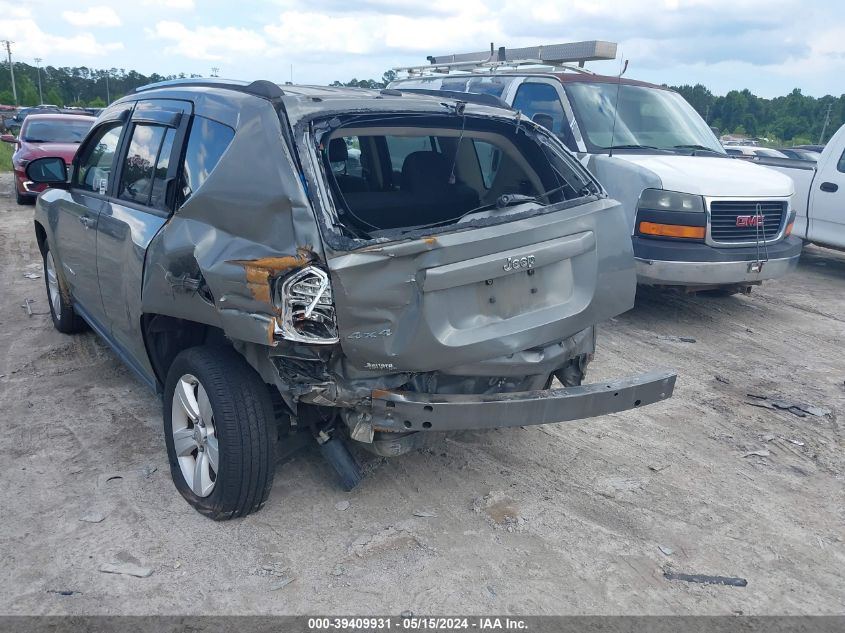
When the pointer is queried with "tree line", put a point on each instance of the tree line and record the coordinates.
(72, 86)
(794, 118)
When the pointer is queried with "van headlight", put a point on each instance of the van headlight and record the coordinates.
(660, 200)
(307, 306)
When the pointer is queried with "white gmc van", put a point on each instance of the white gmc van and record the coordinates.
(700, 219)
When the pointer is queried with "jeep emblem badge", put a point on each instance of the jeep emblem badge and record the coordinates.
(519, 263)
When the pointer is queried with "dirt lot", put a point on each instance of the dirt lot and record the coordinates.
(535, 520)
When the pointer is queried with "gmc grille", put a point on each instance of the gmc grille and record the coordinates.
(724, 214)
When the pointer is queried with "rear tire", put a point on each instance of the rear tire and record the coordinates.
(64, 317)
(220, 433)
(21, 199)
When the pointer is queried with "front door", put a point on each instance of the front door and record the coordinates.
(827, 207)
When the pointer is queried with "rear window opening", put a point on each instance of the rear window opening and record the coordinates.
(411, 175)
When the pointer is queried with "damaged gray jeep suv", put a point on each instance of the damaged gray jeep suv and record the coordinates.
(336, 264)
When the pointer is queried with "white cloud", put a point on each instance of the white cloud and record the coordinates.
(211, 43)
(172, 4)
(93, 16)
(31, 41)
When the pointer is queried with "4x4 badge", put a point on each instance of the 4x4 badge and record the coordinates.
(518, 263)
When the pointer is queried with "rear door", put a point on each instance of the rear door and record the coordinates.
(143, 198)
(77, 213)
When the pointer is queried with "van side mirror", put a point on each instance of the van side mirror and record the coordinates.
(8, 138)
(48, 171)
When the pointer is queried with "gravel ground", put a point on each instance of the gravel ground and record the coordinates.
(581, 518)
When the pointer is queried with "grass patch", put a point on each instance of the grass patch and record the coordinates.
(6, 151)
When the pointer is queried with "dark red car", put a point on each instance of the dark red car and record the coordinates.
(44, 135)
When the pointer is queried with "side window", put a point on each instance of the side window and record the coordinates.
(841, 165)
(206, 144)
(541, 104)
(489, 157)
(95, 169)
(400, 147)
(145, 167)
(489, 85)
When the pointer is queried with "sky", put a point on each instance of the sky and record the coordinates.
(767, 46)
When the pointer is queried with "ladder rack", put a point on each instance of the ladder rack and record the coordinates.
(553, 56)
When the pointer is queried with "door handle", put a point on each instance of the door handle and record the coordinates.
(829, 187)
(87, 221)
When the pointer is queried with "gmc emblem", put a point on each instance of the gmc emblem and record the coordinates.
(749, 220)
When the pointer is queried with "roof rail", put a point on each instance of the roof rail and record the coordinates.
(558, 56)
(467, 97)
(259, 87)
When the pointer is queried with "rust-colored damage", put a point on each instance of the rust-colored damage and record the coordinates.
(379, 394)
(259, 272)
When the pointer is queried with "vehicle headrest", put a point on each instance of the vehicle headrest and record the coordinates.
(338, 153)
(546, 120)
(425, 170)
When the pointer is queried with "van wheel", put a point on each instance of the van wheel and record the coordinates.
(65, 319)
(218, 423)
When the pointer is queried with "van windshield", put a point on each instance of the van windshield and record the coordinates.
(647, 117)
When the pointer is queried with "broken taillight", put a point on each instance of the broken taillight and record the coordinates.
(308, 314)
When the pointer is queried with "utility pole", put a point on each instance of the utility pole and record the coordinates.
(214, 71)
(826, 121)
(108, 96)
(11, 68)
(38, 66)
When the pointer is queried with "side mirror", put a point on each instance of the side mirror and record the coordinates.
(48, 171)
(8, 138)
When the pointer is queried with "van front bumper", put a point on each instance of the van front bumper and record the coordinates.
(404, 411)
(674, 263)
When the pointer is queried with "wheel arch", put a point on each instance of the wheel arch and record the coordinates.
(166, 336)
(41, 237)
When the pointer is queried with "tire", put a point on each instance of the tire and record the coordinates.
(64, 317)
(20, 199)
(235, 422)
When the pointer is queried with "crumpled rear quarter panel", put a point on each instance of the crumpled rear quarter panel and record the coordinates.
(248, 222)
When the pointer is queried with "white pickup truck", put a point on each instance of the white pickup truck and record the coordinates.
(699, 219)
(819, 199)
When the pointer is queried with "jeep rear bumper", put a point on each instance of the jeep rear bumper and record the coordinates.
(403, 411)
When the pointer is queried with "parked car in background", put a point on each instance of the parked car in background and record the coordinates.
(750, 151)
(698, 219)
(819, 193)
(813, 148)
(800, 154)
(205, 235)
(44, 135)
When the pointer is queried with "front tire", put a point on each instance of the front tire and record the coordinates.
(64, 317)
(218, 423)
